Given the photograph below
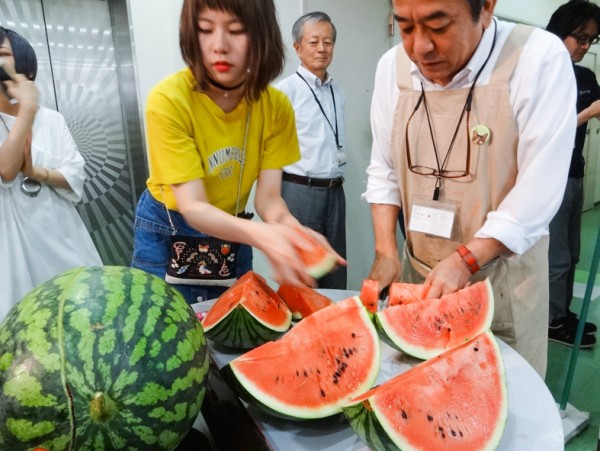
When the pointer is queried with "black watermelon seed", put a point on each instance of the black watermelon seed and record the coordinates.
(404, 415)
(322, 393)
(429, 418)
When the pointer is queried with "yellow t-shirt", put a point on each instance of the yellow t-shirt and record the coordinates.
(190, 137)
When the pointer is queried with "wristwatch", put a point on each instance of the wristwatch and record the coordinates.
(30, 186)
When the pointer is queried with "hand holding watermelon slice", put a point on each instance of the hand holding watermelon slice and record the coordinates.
(297, 255)
(316, 253)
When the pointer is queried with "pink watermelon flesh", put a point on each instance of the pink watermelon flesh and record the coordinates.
(302, 301)
(427, 328)
(457, 401)
(406, 293)
(330, 357)
(369, 294)
(252, 293)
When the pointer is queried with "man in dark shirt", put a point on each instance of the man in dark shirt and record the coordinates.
(577, 23)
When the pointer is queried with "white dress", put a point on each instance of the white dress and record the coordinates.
(44, 235)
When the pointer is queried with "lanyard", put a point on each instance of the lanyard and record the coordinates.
(335, 132)
(466, 108)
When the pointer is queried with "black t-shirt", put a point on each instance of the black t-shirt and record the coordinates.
(587, 92)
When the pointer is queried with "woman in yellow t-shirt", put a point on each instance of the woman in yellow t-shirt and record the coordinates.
(213, 130)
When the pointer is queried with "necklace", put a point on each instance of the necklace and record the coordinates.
(226, 89)
(29, 186)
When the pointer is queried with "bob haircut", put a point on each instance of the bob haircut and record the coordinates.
(25, 59)
(266, 54)
(573, 16)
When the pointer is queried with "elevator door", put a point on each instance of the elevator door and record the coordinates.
(81, 76)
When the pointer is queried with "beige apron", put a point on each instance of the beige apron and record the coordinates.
(520, 284)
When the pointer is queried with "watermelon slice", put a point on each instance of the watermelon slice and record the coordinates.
(247, 315)
(369, 294)
(302, 301)
(327, 359)
(427, 328)
(457, 401)
(406, 293)
(317, 259)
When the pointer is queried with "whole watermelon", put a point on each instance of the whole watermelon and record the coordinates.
(100, 358)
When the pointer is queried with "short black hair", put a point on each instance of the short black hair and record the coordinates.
(573, 16)
(475, 5)
(25, 58)
(476, 8)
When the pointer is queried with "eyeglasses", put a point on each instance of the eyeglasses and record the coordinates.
(583, 39)
(440, 171)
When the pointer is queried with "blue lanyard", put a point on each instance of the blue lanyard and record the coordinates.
(335, 132)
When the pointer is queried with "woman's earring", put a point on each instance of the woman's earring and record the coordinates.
(248, 70)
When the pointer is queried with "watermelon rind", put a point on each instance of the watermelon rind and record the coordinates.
(308, 359)
(100, 358)
(322, 268)
(366, 425)
(444, 388)
(242, 330)
(425, 340)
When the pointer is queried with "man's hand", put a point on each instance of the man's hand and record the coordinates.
(385, 269)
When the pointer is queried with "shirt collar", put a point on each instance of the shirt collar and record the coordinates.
(312, 78)
(467, 74)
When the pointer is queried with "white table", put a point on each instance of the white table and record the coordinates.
(533, 423)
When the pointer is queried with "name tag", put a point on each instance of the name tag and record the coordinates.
(340, 157)
(432, 221)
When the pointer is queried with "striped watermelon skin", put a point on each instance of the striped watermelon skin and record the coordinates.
(241, 330)
(368, 428)
(100, 358)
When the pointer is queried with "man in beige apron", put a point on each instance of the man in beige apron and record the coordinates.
(471, 154)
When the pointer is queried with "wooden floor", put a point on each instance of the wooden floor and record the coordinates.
(585, 389)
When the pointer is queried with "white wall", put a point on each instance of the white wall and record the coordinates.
(155, 36)
(362, 38)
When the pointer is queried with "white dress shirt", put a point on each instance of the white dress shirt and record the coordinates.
(543, 97)
(321, 157)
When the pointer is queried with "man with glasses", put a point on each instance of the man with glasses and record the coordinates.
(470, 120)
(577, 23)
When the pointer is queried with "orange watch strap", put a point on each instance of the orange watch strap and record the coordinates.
(468, 258)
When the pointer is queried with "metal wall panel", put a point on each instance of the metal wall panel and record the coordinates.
(85, 76)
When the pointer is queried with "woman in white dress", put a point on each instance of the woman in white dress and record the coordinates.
(41, 175)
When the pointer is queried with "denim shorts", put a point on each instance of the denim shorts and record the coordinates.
(151, 246)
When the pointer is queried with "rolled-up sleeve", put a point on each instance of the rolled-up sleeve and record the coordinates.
(543, 94)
